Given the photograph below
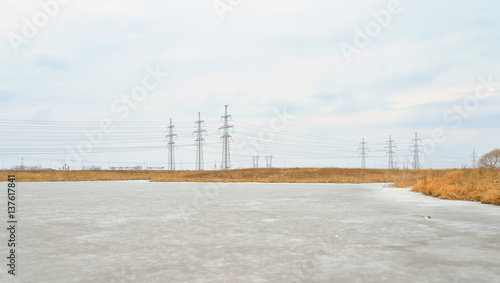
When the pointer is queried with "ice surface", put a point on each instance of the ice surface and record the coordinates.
(138, 231)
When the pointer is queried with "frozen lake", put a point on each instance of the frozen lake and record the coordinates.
(136, 231)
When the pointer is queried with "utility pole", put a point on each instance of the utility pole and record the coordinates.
(390, 152)
(170, 146)
(415, 150)
(269, 161)
(226, 156)
(363, 153)
(199, 143)
(255, 161)
(474, 159)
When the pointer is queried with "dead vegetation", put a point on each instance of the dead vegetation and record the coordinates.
(264, 175)
(472, 184)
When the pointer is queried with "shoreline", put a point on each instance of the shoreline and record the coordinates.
(458, 184)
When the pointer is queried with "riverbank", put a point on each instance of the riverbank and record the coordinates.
(263, 175)
(471, 184)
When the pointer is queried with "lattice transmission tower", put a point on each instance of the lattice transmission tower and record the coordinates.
(415, 150)
(363, 153)
(269, 161)
(199, 143)
(255, 161)
(170, 146)
(390, 152)
(474, 159)
(226, 155)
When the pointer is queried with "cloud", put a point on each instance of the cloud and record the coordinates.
(42, 115)
(425, 95)
(323, 96)
(5, 95)
(52, 63)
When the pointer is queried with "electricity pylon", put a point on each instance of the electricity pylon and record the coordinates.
(170, 146)
(255, 161)
(199, 143)
(390, 152)
(474, 159)
(226, 155)
(363, 153)
(415, 150)
(269, 161)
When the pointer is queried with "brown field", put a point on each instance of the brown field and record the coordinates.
(473, 184)
(404, 178)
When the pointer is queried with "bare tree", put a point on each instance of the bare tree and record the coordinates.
(490, 159)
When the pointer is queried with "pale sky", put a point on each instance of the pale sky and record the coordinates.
(305, 81)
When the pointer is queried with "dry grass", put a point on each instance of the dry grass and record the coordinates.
(471, 184)
(476, 185)
(290, 175)
(268, 175)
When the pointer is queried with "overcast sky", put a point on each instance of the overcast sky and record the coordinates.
(305, 81)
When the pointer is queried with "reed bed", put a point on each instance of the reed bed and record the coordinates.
(262, 175)
(470, 184)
